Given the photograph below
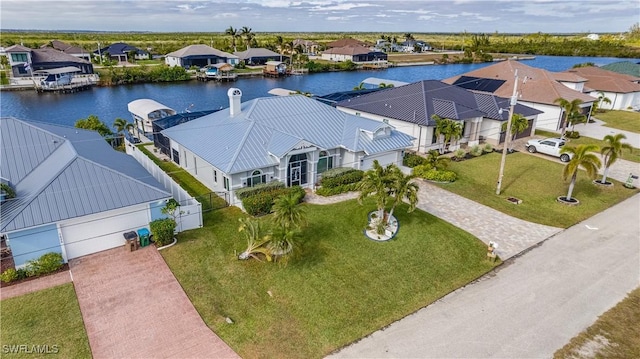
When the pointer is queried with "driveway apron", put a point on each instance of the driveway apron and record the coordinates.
(133, 307)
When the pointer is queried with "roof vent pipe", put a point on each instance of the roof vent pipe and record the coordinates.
(235, 95)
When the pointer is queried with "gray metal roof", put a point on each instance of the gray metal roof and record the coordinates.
(256, 52)
(419, 101)
(200, 50)
(61, 172)
(269, 127)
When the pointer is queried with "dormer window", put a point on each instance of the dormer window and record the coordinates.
(382, 133)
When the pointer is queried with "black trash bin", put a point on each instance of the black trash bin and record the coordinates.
(131, 239)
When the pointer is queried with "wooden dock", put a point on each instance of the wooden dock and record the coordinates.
(202, 76)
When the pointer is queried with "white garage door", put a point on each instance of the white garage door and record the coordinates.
(384, 159)
(95, 233)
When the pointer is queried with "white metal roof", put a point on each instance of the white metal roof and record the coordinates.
(143, 107)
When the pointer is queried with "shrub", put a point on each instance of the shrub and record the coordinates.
(459, 153)
(262, 202)
(47, 263)
(347, 177)
(332, 191)
(162, 230)
(488, 148)
(432, 174)
(476, 151)
(245, 192)
(413, 160)
(572, 134)
(9, 275)
(22, 273)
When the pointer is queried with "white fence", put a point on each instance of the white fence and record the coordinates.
(190, 209)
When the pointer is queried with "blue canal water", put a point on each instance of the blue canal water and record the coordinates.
(109, 103)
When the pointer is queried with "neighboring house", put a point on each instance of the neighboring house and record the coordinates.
(410, 108)
(292, 139)
(24, 61)
(624, 67)
(537, 88)
(347, 42)
(199, 56)
(259, 56)
(68, 49)
(622, 90)
(353, 53)
(121, 52)
(75, 195)
(413, 46)
(310, 47)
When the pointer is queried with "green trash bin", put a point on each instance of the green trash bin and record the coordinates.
(143, 234)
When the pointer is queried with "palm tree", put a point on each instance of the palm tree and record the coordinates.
(602, 98)
(256, 240)
(435, 160)
(453, 132)
(611, 151)
(584, 157)
(519, 123)
(288, 217)
(234, 36)
(568, 108)
(375, 182)
(401, 188)
(576, 118)
(121, 125)
(440, 129)
(248, 36)
(360, 86)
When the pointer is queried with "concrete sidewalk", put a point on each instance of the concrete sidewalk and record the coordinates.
(531, 306)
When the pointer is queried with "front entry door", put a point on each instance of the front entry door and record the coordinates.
(297, 170)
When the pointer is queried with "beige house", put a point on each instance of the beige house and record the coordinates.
(622, 90)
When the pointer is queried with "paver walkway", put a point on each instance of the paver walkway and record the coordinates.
(35, 285)
(133, 307)
(512, 235)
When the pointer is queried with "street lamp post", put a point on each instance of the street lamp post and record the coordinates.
(512, 104)
(99, 53)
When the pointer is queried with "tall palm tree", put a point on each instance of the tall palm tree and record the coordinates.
(568, 108)
(121, 125)
(402, 187)
(234, 36)
(612, 150)
(376, 182)
(519, 123)
(440, 130)
(584, 157)
(248, 36)
(453, 132)
(576, 118)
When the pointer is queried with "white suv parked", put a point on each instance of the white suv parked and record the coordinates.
(549, 146)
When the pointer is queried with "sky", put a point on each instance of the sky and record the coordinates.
(426, 16)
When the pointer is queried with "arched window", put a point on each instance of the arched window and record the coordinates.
(325, 162)
(256, 178)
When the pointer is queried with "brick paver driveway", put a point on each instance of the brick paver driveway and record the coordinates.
(133, 307)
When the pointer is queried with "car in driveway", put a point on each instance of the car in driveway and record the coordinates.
(549, 146)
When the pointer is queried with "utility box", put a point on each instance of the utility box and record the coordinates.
(143, 233)
(131, 241)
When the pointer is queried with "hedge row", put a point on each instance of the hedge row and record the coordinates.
(349, 176)
(47, 263)
(332, 191)
(261, 202)
(245, 192)
(432, 174)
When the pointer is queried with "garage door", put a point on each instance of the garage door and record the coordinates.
(384, 159)
(95, 233)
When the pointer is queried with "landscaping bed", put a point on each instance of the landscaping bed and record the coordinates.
(337, 286)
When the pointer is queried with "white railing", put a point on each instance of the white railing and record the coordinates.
(190, 208)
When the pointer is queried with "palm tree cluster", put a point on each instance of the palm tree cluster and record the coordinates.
(388, 185)
(245, 34)
(447, 132)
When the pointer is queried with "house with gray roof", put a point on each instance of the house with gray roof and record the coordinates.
(410, 109)
(259, 56)
(199, 56)
(74, 194)
(292, 139)
(122, 52)
(68, 49)
(24, 61)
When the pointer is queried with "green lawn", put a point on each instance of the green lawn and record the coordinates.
(613, 335)
(338, 286)
(536, 181)
(622, 120)
(633, 156)
(50, 317)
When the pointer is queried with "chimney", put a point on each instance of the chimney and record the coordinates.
(235, 95)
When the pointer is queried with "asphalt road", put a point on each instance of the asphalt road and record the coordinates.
(533, 305)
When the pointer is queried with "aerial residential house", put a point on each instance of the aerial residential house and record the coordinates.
(413, 46)
(624, 67)
(291, 139)
(74, 194)
(309, 47)
(537, 88)
(121, 52)
(199, 56)
(357, 54)
(68, 49)
(347, 42)
(25, 61)
(259, 56)
(622, 90)
(410, 109)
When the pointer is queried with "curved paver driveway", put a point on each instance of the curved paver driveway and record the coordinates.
(133, 307)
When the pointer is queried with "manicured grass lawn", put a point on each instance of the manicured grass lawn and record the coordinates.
(189, 183)
(536, 181)
(50, 317)
(633, 156)
(338, 286)
(618, 326)
(622, 120)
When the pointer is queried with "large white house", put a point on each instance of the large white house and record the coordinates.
(623, 91)
(292, 139)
